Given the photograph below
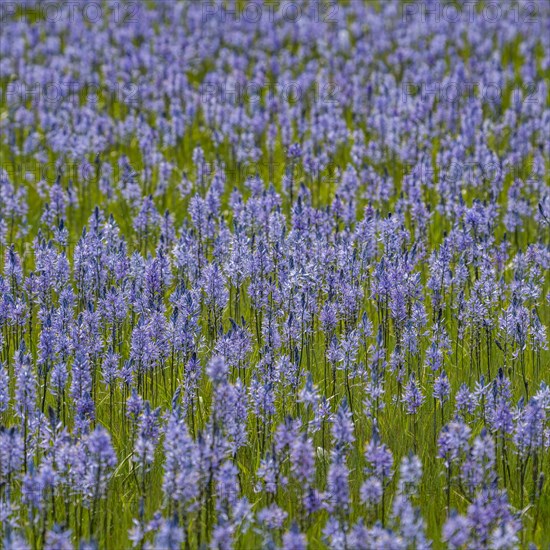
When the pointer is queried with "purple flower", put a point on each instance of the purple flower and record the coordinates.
(58, 539)
(217, 370)
(272, 517)
(410, 474)
(371, 491)
(379, 459)
(413, 397)
(453, 441)
(147, 436)
(11, 451)
(4, 389)
(442, 388)
(25, 385)
(294, 540)
(456, 531)
(100, 459)
(342, 426)
(170, 536)
(302, 459)
(338, 491)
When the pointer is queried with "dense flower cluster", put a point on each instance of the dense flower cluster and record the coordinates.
(274, 275)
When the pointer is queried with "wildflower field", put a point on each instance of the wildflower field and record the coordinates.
(274, 274)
